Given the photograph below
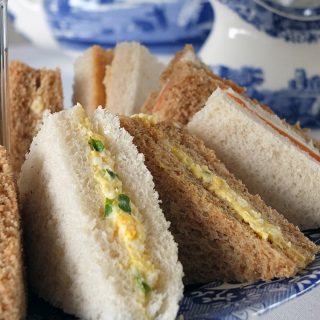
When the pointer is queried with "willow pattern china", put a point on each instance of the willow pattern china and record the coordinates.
(163, 25)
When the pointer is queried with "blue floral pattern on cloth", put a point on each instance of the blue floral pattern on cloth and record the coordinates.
(219, 300)
(299, 101)
(288, 24)
(163, 26)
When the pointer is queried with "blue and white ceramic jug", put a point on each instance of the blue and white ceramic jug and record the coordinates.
(272, 47)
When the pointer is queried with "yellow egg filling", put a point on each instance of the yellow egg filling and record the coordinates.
(117, 208)
(241, 206)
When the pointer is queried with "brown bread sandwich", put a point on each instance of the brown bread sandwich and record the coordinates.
(186, 85)
(31, 92)
(222, 230)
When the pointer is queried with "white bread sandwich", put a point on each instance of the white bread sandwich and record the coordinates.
(272, 158)
(186, 85)
(89, 73)
(97, 242)
(223, 231)
(31, 92)
(12, 287)
(120, 79)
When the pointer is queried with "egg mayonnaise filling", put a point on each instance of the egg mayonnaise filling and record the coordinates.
(244, 210)
(117, 208)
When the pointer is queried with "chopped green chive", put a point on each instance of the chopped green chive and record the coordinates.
(96, 145)
(124, 203)
(107, 207)
(207, 174)
(146, 287)
(142, 284)
(112, 174)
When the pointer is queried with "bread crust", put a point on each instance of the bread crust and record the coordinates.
(101, 59)
(208, 233)
(12, 288)
(27, 84)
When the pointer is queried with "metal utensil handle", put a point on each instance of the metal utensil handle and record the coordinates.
(4, 105)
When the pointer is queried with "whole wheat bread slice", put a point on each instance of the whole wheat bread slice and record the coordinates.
(12, 288)
(31, 92)
(186, 85)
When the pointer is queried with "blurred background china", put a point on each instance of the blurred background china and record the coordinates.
(272, 47)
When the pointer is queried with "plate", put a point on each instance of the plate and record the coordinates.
(219, 300)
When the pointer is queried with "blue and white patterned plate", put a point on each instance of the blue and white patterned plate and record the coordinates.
(218, 300)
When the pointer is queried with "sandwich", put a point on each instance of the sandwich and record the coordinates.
(12, 288)
(185, 86)
(31, 92)
(119, 79)
(97, 242)
(274, 159)
(223, 232)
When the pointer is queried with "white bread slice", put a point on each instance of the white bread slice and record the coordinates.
(89, 72)
(73, 261)
(285, 176)
(132, 76)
